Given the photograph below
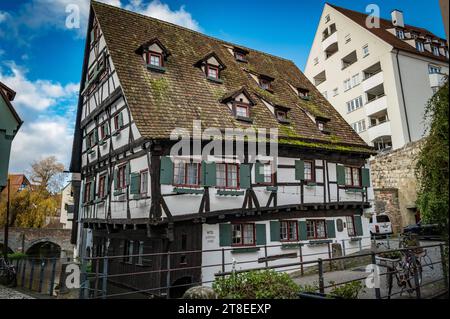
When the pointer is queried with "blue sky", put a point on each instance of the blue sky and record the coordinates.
(41, 58)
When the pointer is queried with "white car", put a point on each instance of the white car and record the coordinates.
(380, 225)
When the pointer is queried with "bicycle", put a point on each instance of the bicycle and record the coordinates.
(8, 273)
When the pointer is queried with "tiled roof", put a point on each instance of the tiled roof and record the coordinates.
(160, 102)
(381, 32)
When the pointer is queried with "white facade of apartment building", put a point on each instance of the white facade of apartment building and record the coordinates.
(379, 80)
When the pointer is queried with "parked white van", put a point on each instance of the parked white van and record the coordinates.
(380, 225)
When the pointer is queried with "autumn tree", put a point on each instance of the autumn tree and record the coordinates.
(48, 174)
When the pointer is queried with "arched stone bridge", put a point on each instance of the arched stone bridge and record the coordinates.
(22, 239)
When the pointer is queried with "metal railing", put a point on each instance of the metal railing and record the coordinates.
(116, 277)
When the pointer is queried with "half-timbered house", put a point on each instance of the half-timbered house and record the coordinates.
(143, 78)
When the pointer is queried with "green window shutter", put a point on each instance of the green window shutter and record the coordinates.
(83, 190)
(107, 185)
(299, 170)
(259, 173)
(274, 230)
(302, 235)
(331, 229)
(127, 174)
(135, 183)
(260, 234)
(92, 195)
(208, 174)
(96, 135)
(358, 225)
(120, 119)
(115, 178)
(225, 235)
(166, 171)
(340, 174)
(365, 176)
(106, 129)
(245, 179)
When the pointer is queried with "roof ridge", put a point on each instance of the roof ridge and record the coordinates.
(386, 20)
(190, 30)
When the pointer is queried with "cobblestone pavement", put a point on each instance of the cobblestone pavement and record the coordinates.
(8, 293)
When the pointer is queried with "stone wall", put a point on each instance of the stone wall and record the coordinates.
(395, 185)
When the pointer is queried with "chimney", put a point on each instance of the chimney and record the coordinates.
(397, 18)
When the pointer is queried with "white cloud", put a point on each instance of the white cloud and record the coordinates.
(3, 16)
(51, 14)
(48, 110)
(36, 95)
(159, 10)
(42, 138)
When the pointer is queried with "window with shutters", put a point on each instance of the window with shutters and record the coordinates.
(289, 230)
(102, 186)
(227, 175)
(243, 234)
(118, 121)
(104, 130)
(88, 191)
(352, 176)
(90, 140)
(95, 33)
(309, 171)
(187, 174)
(143, 182)
(316, 229)
(350, 223)
(121, 177)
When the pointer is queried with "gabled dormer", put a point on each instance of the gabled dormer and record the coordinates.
(264, 81)
(240, 54)
(280, 112)
(154, 54)
(240, 104)
(319, 119)
(212, 67)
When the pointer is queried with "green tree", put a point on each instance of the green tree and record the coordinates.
(432, 168)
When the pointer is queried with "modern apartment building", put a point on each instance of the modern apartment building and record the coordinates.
(379, 74)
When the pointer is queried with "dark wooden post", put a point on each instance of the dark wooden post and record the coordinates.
(444, 265)
(223, 259)
(168, 276)
(416, 275)
(321, 281)
(301, 259)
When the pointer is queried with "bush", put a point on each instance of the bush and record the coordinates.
(16, 256)
(266, 284)
(347, 291)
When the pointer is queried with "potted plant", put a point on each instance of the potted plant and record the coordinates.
(388, 258)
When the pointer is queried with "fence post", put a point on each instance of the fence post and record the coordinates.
(265, 252)
(97, 270)
(168, 276)
(301, 259)
(416, 275)
(376, 280)
(105, 277)
(321, 282)
(23, 272)
(41, 275)
(223, 259)
(52, 277)
(343, 247)
(329, 257)
(31, 275)
(444, 265)
(83, 278)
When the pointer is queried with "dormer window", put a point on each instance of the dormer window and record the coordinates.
(212, 67)
(400, 34)
(212, 71)
(240, 56)
(154, 54)
(303, 93)
(420, 46)
(265, 84)
(242, 110)
(436, 51)
(154, 58)
(322, 126)
(281, 115)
